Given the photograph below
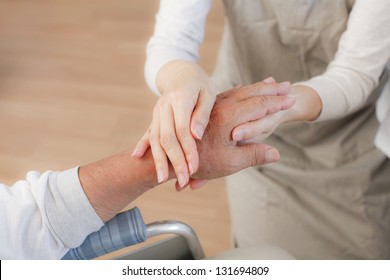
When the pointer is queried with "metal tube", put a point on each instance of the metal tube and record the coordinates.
(179, 228)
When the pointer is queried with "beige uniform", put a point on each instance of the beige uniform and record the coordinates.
(329, 195)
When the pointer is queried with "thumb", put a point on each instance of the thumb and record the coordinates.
(201, 114)
(258, 154)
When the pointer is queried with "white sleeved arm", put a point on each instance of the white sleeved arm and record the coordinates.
(178, 32)
(363, 51)
(45, 215)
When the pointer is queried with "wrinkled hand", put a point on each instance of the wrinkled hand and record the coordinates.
(219, 154)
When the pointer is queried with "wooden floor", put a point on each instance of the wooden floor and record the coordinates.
(72, 91)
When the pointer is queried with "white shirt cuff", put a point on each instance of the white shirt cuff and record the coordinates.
(69, 211)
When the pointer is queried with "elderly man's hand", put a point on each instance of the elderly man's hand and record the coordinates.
(219, 155)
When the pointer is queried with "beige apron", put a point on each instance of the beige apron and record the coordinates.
(329, 196)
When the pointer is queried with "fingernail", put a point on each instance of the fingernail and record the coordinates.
(291, 99)
(181, 179)
(198, 184)
(178, 187)
(135, 153)
(271, 155)
(238, 135)
(191, 169)
(160, 175)
(285, 85)
(198, 131)
(269, 80)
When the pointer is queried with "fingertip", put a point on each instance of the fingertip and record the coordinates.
(137, 153)
(140, 149)
(271, 155)
(196, 184)
(198, 131)
(182, 180)
(290, 100)
(237, 134)
(192, 168)
(193, 162)
(161, 175)
(284, 88)
(178, 187)
(269, 80)
(201, 115)
(285, 84)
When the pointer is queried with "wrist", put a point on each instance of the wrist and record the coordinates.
(307, 107)
(112, 183)
(178, 73)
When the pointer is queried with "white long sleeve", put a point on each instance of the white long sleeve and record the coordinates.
(363, 51)
(45, 215)
(178, 33)
(382, 138)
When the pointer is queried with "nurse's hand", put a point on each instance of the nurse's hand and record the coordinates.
(307, 108)
(257, 130)
(179, 117)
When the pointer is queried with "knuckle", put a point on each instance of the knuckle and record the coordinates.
(159, 161)
(190, 152)
(182, 133)
(224, 95)
(167, 140)
(177, 100)
(256, 157)
(178, 165)
(223, 113)
(153, 138)
(263, 100)
(162, 102)
(255, 89)
(258, 89)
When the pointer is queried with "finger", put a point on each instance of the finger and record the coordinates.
(269, 80)
(171, 146)
(193, 183)
(142, 145)
(254, 131)
(201, 115)
(159, 156)
(182, 116)
(259, 106)
(180, 188)
(262, 88)
(197, 183)
(256, 154)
